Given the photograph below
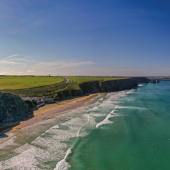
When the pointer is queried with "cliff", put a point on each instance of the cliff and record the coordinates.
(13, 109)
(101, 86)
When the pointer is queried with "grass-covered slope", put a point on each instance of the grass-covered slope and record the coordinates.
(38, 86)
(22, 82)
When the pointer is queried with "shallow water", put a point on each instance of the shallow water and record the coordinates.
(137, 138)
(128, 130)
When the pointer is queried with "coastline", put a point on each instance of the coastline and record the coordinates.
(26, 105)
(47, 112)
(64, 163)
(51, 111)
(52, 128)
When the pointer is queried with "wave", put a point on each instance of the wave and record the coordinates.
(112, 114)
(140, 85)
(130, 91)
(107, 120)
(63, 164)
(130, 107)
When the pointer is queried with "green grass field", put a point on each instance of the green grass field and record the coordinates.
(44, 85)
(22, 82)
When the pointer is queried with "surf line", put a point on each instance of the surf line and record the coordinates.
(63, 164)
(106, 119)
(112, 113)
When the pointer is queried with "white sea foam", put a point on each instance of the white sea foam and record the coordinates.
(130, 107)
(94, 108)
(112, 102)
(51, 145)
(106, 120)
(130, 91)
(63, 164)
(47, 147)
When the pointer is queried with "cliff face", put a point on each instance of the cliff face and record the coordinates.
(13, 108)
(101, 86)
(124, 84)
(90, 87)
(111, 85)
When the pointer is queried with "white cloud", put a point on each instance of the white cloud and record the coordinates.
(21, 65)
(17, 64)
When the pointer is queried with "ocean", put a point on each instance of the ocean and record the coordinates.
(127, 130)
(136, 135)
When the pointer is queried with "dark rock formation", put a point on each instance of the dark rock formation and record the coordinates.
(90, 87)
(112, 85)
(68, 93)
(13, 108)
(118, 85)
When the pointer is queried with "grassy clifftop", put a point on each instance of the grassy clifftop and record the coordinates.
(37, 86)
(22, 82)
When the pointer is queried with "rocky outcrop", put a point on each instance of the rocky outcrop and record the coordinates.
(68, 93)
(118, 85)
(112, 85)
(13, 109)
(90, 87)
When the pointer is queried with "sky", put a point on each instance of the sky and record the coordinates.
(85, 37)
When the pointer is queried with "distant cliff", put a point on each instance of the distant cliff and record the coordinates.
(102, 86)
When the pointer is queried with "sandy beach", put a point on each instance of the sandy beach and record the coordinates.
(47, 115)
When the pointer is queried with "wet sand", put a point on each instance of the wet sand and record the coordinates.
(45, 116)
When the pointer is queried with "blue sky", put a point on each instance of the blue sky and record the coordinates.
(85, 37)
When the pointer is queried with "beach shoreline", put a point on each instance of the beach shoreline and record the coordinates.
(47, 135)
(45, 113)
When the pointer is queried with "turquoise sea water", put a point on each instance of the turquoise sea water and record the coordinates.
(137, 139)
